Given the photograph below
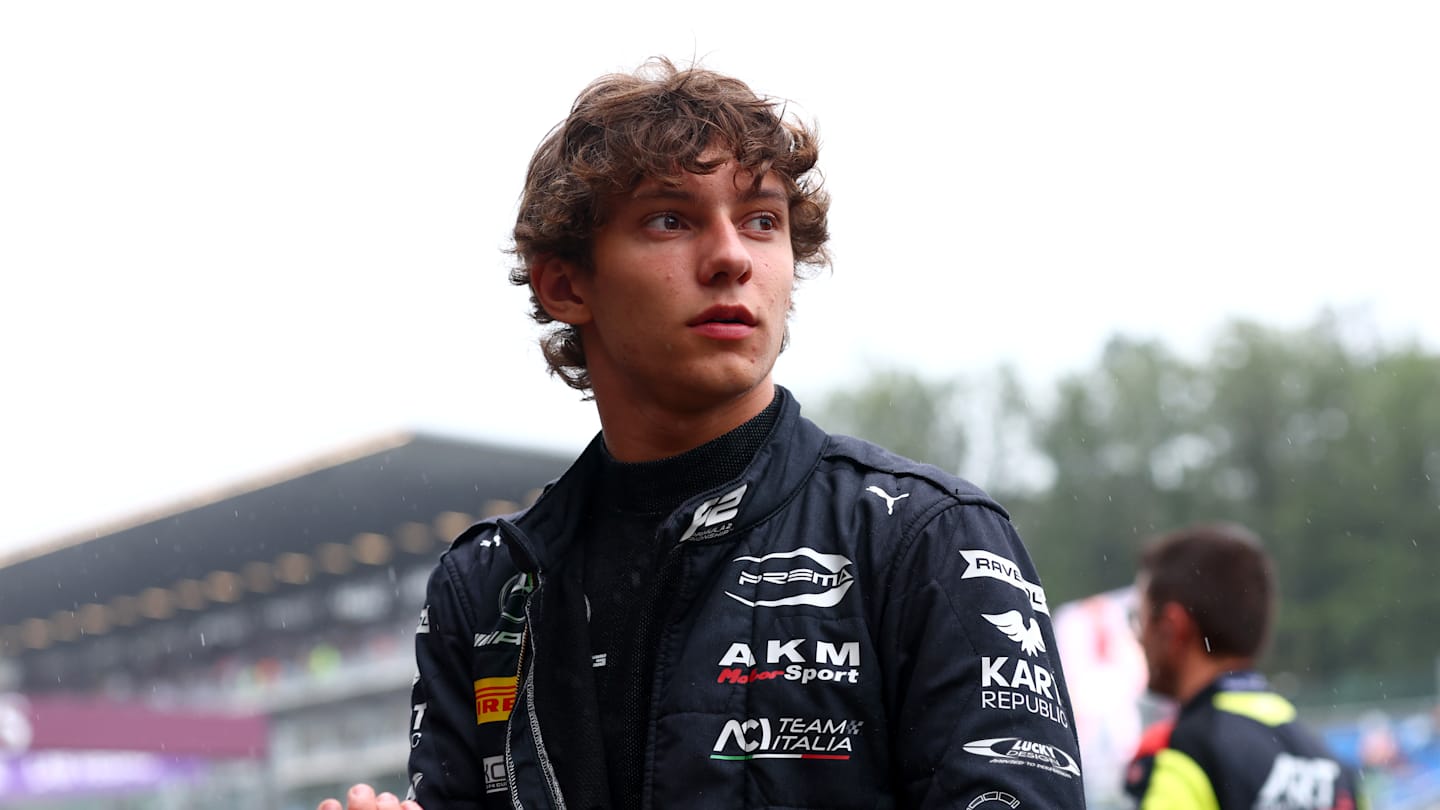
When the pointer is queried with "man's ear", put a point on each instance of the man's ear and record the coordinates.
(1179, 624)
(555, 282)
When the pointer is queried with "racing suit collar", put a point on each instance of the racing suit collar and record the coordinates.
(543, 534)
(1242, 680)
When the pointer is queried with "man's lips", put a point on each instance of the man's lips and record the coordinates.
(724, 323)
(724, 315)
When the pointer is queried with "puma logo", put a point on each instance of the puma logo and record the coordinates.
(889, 499)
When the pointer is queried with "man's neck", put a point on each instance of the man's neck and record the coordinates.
(1203, 669)
(636, 432)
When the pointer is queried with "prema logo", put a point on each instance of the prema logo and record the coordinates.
(820, 580)
(1015, 751)
(786, 738)
(990, 565)
(494, 698)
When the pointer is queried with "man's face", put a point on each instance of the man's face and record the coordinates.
(1155, 638)
(689, 290)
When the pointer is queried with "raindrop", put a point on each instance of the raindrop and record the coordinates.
(1207, 644)
(202, 639)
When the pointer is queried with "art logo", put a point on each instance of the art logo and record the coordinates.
(1298, 783)
(800, 577)
(992, 566)
(494, 698)
(786, 738)
(1015, 751)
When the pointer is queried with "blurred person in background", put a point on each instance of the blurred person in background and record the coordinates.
(719, 604)
(1205, 604)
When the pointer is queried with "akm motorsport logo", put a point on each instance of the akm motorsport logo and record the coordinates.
(792, 660)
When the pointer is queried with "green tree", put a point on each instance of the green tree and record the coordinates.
(902, 411)
(1328, 447)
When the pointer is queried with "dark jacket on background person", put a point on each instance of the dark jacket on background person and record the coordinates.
(841, 628)
(1237, 746)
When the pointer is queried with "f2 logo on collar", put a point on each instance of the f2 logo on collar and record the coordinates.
(715, 512)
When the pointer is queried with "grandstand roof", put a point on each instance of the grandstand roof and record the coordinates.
(405, 493)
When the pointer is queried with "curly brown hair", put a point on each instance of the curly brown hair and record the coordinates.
(655, 124)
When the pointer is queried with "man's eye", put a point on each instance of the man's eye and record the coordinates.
(664, 222)
(763, 222)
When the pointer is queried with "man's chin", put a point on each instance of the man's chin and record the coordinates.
(1161, 687)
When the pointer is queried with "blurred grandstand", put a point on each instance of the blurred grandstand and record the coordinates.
(252, 648)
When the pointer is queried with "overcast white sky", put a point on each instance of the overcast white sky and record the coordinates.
(235, 235)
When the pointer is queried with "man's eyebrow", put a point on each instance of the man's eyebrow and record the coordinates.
(683, 195)
(769, 194)
(661, 193)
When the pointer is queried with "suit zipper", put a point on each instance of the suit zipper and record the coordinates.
(547, 770)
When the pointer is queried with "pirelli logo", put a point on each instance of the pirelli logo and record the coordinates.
(494, 698)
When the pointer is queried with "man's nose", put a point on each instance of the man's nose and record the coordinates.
(726, 256)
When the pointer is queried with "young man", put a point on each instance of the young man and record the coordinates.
(1206, 597)
(720, 605)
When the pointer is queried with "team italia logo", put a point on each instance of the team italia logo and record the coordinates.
(494, 698)
(786, 738)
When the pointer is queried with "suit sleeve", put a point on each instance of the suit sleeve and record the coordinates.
(448, 756)
(980, 715)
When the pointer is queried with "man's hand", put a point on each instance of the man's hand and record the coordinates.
(362, 797)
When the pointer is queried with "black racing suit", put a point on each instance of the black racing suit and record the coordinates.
(1237, 746)
(842, 628)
